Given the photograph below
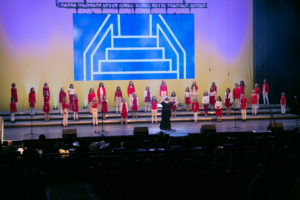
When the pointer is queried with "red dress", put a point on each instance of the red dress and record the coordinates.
(124, 110)
(195, 106)
(187, 100)
(219, 112)
(13, 107)
(283, 100)
(244, 103)
(65, 105)
(46, 107)
(236, 93)
(91, 96)
(154, 105)
(46, 89)
(215, 88)
(257, 91)
(118, 94)
(148, 97)
(32, 100)
(104, 106)
(14, 94)
(174, 106)
(130, 90)
(253, 99)
(61, 97)
(242, 89)
(163, 88)
(212, 98)
(95, 105)
(134, 105)
(227, 101)
(75, 105)
(265, 87)
(98, 93)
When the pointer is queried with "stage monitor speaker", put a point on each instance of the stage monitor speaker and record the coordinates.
(69, 133)
(275, 126)
(140, 131)
(208, 128)
(1, 130)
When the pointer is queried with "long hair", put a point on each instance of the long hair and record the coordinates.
(32, 91)
(132, 83)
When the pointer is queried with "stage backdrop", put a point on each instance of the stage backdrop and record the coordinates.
(41, 43)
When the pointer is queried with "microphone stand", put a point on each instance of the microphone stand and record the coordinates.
(31, 128)
(235, 119)
(101, 132)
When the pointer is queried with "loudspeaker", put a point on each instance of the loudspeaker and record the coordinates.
(275, 126)
(140, 131)
(208, 128)
(69, 133)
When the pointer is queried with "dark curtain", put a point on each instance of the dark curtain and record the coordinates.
(276, 47)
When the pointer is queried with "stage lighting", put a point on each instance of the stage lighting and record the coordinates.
(84, 106)
(54, 107)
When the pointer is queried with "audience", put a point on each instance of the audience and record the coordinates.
(265, 169)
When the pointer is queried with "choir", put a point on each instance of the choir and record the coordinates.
(237, 97)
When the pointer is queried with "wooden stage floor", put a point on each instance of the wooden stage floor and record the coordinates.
(180, 129)
(182, 124)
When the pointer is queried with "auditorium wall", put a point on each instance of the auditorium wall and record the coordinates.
(36, 46)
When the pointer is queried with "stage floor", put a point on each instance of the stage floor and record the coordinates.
(180, 129)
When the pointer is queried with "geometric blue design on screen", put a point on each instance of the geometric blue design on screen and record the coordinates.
(133, 46)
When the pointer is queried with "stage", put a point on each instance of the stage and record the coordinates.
(181, 125)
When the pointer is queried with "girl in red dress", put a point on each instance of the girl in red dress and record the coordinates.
(13, 109)
(154, 109)
(265, 92)
(65, 107)
(242, 87)
(75, 107)
(236, 95)
(71, 93)
(195, 109)
(14, 92)
(194, 90)
(257, 91)
(130, 91)
(212, 98)
(187, 98)
(163, 90)
(173, 100)
(244, 107)
(228, 101)
(283, 103)
(46, 107)
(100, 93)
(205, 102)
(95, 111)
(213, 85)
(104, 107)
(135, 104)
(253, 101)
(62, 94)
(124, 111)
(147, 96)
(218, 107)
(91, 96)
(118, 99)
(32, 101)
(46, 89)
